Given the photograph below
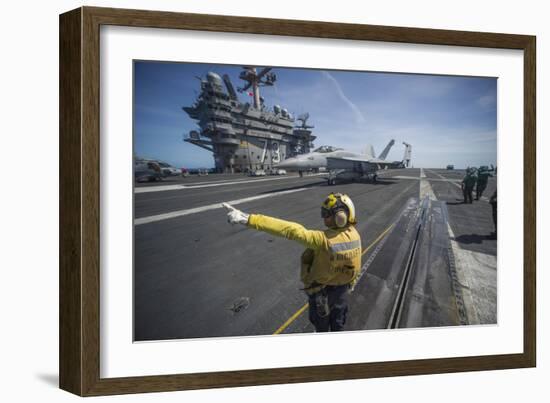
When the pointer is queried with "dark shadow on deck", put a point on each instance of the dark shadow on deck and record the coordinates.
(474, 238)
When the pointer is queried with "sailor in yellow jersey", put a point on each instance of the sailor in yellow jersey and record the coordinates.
(331, 262)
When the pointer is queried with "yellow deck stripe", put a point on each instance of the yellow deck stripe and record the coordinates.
(291, 319)
(377, 239)
(302, 309)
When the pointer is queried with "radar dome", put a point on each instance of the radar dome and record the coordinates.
(214, 78)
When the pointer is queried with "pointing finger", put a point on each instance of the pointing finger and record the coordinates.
(228, 206)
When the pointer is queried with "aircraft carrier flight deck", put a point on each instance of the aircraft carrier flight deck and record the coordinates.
(428, 258)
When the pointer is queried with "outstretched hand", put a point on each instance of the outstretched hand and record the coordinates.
(235, 216)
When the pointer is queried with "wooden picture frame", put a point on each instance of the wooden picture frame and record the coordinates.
(80, 200)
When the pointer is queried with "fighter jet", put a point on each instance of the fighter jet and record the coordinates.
(346, 165)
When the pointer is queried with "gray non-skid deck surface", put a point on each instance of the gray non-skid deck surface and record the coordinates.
(372, 301)
(472, 224)
(197, 276)
(429, 298)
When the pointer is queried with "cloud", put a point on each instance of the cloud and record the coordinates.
(487, 101)
(359, 117)
(426, 87)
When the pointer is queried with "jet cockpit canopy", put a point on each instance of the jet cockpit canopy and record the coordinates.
(326, 149)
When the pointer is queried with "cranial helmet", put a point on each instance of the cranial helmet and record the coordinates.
(341, 207)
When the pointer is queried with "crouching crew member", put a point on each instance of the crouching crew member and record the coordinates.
(331, 263)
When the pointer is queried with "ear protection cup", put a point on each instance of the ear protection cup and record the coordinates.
(340, 219)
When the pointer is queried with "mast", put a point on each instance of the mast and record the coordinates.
(254, 80)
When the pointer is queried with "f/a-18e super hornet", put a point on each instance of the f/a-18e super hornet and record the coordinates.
(346, 165)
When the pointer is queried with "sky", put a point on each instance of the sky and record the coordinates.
(447, 119)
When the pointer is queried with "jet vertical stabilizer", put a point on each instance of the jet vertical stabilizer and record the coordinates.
(407, 155)
(384, 153)
(369, 151)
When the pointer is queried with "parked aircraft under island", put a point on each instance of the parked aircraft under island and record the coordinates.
(346, 165)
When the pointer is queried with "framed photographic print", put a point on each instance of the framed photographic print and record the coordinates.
(239, 193)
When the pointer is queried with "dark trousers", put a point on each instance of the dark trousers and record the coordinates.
(480, 188)
(328, 308)
(468, 197)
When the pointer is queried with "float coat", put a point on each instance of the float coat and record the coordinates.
(332, 257)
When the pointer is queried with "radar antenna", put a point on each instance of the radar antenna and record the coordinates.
(256, 80)
(303, 118)
(229, 86)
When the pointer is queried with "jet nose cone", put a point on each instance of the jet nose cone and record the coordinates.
(288, 163)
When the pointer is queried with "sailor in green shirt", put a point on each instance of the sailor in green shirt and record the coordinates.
(483, 175)
(331, 262)
(468, 184)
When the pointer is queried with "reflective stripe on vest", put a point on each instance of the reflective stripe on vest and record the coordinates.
(343, 246)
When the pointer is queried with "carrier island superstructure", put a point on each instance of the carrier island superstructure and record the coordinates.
(245, 136)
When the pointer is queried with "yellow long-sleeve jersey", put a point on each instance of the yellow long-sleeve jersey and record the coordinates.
(332, 257)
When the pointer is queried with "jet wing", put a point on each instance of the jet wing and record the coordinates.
(357, 163)
(344, 162)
